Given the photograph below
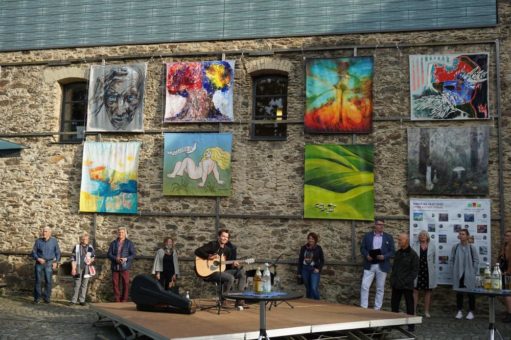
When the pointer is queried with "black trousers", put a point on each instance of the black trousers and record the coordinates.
(395, 301)
(471, 297)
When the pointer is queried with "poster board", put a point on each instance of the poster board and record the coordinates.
(443, 218)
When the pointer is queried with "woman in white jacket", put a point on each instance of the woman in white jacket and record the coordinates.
(166, 265)
(426, 280)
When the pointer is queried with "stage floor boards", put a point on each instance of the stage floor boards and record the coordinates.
(307, 316)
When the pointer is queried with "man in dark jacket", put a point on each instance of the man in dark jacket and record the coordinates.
(212, 251)
(46, 253)
(404, 272)
(121, 254)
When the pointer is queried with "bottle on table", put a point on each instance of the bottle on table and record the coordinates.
(487, 277)
(266, 278)
(258, 281)
(496, 278)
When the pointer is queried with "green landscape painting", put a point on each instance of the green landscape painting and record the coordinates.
(339, 182)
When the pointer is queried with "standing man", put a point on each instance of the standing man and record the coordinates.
(214, 249)
(121, 254)
(464, 262)
(377, 248)
(82, 258)
(404, 271)
(46, 253)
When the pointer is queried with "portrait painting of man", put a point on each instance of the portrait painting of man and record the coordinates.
(116, 98)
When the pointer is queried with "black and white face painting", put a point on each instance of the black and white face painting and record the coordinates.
(116, 98)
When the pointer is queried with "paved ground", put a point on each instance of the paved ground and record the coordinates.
(20, 319)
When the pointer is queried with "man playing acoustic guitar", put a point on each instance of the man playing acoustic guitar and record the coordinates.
(213, 257)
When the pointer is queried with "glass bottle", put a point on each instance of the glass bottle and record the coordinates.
(266, 278)
(487, 277)
(496, 278)
(258, 286)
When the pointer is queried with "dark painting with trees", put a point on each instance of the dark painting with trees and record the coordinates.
(448, 161)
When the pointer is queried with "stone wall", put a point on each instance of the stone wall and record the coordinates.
(41, 188)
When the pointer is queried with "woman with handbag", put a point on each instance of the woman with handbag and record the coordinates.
(82, 269)
(166, 266)
(505, 268)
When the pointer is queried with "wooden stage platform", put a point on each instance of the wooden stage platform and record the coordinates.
(307, 317)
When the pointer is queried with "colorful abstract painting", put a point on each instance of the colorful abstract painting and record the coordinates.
(339, 95)
(448, 161)
(197, 164)
(116, 98)
(109, 177)
(339, 182)
(199, 91)
(450, 86)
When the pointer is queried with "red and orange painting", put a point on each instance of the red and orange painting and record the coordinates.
(339, 95)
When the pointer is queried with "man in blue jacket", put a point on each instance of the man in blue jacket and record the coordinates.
(121, 254)
(377, 248)
(46, 253)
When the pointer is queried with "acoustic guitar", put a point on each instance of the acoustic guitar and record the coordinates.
(205, 268)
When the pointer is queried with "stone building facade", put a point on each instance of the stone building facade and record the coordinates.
(265, 209)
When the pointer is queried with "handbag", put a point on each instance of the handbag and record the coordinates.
(92, 270)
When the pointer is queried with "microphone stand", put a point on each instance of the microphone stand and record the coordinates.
(276, 303)
(221, 290)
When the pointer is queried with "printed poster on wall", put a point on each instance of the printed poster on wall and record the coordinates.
(109, 177)
(449, 86)
(116, 98)
(339, 95)
(197, 164)
(443, 218)
(199, 91)
(339, 182)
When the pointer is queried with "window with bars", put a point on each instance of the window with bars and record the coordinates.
(270, 103)
(74, 112)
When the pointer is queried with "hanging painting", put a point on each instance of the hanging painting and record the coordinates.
(109, 177)
(199, 91)
(450, 86)
(116, 98)
(339, 95)
(339, 182)
(448, 161)
(197, 164)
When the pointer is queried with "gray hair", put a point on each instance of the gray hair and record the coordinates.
(424, 232)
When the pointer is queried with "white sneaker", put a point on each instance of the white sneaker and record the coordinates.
(459, 316)
(427, 315)
(470, 316)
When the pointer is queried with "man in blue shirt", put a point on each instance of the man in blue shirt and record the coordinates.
(46, 253)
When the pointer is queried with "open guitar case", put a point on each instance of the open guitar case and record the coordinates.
(148, 294)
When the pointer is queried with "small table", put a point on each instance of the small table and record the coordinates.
(491, 294)
(263, 298)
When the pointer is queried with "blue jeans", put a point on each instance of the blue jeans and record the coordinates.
(311, 282)
(46, 271)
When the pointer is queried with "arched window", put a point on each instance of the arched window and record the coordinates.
(270, 103)
(73, 112)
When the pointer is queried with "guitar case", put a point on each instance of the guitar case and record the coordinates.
(148, 294)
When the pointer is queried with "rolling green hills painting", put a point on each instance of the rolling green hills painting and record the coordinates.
(339, 182)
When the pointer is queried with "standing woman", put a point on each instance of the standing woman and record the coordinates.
(310, 262)
(426, 280)
(505, 267)
(82, 259)
(166, 266)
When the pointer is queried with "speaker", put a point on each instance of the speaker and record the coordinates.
(149, 295)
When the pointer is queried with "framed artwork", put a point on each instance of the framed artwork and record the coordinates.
(339, 182)
(339, 95)
(199, 92)
(116, 98)
(197, 164)
(449, 86)
(448, 161)
(110, 177)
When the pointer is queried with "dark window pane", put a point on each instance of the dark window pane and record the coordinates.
(74, 110)
(270, 103)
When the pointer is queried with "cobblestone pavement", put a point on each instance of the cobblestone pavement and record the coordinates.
(20, 319)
